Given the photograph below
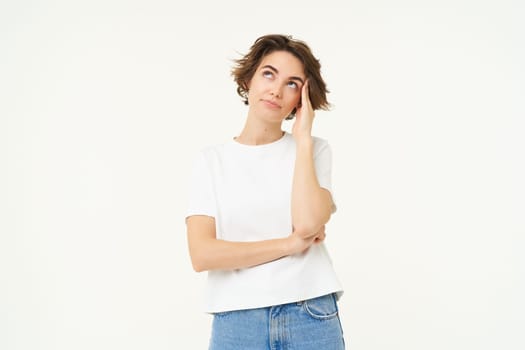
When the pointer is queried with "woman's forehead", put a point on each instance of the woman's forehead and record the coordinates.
(284, 62)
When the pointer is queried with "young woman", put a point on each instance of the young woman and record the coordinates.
(258, 207)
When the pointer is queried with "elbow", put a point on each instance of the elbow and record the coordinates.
(198, 263)
(303, 231)
(307, 228)
(198, 266)
(199, 252)
(308, 221)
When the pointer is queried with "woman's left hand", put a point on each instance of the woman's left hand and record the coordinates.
(304, 116)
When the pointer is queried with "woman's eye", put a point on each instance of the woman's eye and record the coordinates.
(292, 84)
(267, 74)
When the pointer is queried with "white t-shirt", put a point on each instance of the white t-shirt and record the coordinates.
(247, 189)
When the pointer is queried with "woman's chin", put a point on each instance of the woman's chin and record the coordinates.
(273, 116)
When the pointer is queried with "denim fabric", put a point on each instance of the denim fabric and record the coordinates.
(311, 324)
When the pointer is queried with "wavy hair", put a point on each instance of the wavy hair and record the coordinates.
(245, 67)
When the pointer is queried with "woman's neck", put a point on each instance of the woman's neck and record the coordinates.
(255, 133)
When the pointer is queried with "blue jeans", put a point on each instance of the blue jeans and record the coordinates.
(311, 324)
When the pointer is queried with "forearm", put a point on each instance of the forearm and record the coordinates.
(216, 254)
(311, 206)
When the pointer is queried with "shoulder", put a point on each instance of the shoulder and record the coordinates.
(211, 151)
(321, 145)
(319, 140)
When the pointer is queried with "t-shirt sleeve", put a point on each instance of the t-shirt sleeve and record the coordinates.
(201, 196)
(323, 167)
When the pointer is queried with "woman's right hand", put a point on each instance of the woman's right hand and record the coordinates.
(298, 244)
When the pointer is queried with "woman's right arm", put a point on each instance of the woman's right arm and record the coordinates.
(209, 253)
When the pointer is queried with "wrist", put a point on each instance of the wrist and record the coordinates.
(305, 141)
(291, 245)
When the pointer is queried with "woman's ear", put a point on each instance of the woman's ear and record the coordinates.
(245, 92)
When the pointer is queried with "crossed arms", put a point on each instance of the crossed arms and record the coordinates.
(311, 210)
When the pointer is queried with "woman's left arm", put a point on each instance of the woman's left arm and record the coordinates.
(311, 204)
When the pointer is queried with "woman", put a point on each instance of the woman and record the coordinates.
(258, 208)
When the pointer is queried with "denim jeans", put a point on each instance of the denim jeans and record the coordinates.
(311, 324)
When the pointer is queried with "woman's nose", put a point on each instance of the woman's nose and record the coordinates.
(276, 90)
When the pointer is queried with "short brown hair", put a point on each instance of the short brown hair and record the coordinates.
(246, 66)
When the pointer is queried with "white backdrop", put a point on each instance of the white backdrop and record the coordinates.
(103, 105)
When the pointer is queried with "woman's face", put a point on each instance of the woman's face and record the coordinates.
(275, 88)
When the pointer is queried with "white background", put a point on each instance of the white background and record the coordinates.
(103, 105)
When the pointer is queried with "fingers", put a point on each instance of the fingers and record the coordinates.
(321, 237)
(305, 95)
(301, 244)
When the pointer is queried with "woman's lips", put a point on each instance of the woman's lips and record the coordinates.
(271, 104)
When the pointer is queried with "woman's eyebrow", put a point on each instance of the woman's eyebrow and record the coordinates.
(277, 72)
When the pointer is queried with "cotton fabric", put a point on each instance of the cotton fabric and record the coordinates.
(247, 190)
